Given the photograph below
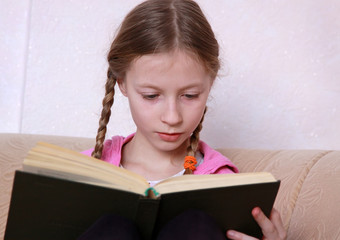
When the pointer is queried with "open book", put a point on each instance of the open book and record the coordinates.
(51, 160)
(56, 183)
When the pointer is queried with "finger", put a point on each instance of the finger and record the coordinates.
(234, 235)
(268, 228)
(276, 219)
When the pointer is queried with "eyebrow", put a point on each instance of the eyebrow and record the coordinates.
(148, 85)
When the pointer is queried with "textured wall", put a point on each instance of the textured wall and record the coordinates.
(279, 86)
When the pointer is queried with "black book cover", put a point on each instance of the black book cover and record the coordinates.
(50, 208)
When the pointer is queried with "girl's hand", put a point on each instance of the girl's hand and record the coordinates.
(272, 228)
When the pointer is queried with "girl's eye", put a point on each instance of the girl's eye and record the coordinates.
(150, 96)
(190, 96)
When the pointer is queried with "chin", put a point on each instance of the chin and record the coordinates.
(171, 146)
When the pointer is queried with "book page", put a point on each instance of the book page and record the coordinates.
(50, 160)
(194, 182)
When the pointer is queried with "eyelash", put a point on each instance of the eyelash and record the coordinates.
(150, 97)
(190, 96)
(154, 96)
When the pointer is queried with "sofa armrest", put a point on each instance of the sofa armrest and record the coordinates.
(309, 195)
(13, 149)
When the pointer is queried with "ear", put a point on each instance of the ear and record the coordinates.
(122, 86)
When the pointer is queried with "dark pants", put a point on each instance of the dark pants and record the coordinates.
(188, 225)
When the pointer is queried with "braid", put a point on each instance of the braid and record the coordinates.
(194, 139)
(105, 115)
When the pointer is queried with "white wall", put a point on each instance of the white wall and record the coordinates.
(279, 87)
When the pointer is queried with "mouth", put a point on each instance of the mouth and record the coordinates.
(169, 137)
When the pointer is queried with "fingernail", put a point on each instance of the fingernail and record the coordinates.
(232, 233)
(256, 211)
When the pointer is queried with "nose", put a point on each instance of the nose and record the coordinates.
(171, 113)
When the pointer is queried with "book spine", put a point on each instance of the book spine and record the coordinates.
(146, 216)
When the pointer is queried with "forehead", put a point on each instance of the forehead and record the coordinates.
(168, 59)
(177, 66)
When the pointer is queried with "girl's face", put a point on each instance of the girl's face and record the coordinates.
(167, 93)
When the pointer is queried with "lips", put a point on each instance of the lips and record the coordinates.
(169, 137)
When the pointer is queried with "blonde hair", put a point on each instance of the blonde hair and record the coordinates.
(158, 26)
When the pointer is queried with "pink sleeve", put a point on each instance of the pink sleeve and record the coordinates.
(87, 152)
(223, 170)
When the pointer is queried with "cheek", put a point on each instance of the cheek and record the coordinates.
(141, 113)
(194, 116)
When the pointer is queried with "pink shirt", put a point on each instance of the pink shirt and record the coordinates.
(213, 161)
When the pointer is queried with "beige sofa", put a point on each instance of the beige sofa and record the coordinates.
(309, 197)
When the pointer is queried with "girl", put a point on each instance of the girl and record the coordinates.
(164, 60)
